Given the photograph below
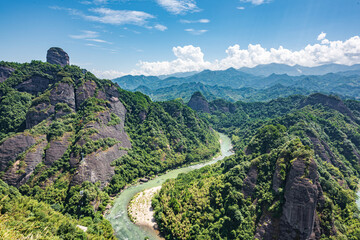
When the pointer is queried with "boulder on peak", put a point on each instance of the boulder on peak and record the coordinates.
(56, 55)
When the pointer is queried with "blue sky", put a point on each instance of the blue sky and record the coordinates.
(152, 37)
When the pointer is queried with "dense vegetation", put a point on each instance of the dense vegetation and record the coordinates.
(164, 135)
(247, 94)
(24, 218)
(37, 103)
(280, 146)
(251, 85)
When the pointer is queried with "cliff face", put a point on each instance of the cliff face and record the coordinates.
(63, 101)
(199, 103)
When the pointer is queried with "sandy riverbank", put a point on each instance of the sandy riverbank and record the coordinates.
(140, 209)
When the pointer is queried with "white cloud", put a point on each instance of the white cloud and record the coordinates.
(107, 74)
(90, 45)
(256, 2)
(96, 2)
(241, 8)
(119, 17)
(85, 34)
(178, 6)
(160, 27)
(190, 58)
(115, 17)
(195, 21)
(196, 32)
(321, 36)
(97, 40)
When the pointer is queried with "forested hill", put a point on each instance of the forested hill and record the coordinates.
(69, 140)
(294, 175)
(235, 85)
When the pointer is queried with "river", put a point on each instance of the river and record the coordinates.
(123, 227)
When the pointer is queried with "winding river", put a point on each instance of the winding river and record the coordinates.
(124, 228)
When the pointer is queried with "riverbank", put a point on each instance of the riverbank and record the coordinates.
(140, 211)
(118, 216)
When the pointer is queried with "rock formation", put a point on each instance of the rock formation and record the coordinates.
(59, 96)
(5, 73)
(58, 56)
(199, 103)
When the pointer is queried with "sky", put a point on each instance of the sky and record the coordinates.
(113, 38)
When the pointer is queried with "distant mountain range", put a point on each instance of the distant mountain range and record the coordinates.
(297, 70)
(262, 83)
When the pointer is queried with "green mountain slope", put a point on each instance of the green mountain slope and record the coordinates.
(294, 175)
(69, 139)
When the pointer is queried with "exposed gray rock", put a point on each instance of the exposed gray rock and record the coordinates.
(57, 149)
(199, 103)
(58, 56)
(250, 182)
(328, 101)
(5, 73)
(12, 147)
(36, 84)
(301, 196)
(14, 176)
(96, 166)
(85, 91)
(63, 93)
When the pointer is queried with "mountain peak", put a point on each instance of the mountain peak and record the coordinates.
(199, 103)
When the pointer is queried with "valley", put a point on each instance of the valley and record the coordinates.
(118, 216)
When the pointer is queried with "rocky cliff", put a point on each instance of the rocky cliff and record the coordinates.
(199, 103)
(62, 97)
(57, 56)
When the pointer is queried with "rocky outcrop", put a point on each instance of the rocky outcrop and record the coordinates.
(36, 84)
(5, 73)
(299, 219)
(22, 169)
(57, 56)
(85, 91)
(96, 166)
(330, 102)
(199, 103)
(301, 195)
(57, 149)
(12, 147)
(250, 182)
(62, 93)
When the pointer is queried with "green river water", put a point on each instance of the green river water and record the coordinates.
(124, 228)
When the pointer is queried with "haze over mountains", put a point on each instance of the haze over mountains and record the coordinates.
(264, 82)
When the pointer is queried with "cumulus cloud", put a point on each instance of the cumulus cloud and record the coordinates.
(196, 32)
(255, 2)
(178, 6)
(190, 58)
(241, 8)
(195, 21)
(107, 74)
(321, 36)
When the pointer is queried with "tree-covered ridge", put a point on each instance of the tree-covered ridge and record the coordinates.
(294, 175)
(69, 139)
(24, 218)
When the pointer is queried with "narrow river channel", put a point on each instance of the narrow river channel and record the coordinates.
(124, 228)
